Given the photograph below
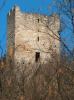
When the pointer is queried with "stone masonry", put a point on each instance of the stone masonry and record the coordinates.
(32, 37)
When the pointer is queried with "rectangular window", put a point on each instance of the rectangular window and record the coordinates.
(37, 56)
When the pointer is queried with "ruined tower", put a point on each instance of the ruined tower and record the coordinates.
(32, 37)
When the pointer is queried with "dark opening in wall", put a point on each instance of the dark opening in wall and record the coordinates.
(38, 38)
(38, 20)
(37, 56)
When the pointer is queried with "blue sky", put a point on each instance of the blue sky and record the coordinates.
(46, 7)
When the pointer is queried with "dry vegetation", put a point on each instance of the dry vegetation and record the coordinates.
(52, 81)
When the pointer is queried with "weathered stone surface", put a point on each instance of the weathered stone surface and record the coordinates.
(34, 33)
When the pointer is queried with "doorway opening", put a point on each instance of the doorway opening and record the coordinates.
(37, 56)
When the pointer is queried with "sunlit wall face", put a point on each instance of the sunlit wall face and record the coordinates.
(30, 34)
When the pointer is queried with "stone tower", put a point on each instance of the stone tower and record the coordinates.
(32, 37)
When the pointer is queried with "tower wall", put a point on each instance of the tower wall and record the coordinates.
(32, 34)
(35, 33)
(31, 41)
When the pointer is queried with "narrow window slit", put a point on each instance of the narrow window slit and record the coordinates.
(38, 38)
(38, 20)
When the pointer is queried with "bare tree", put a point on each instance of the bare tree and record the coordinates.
(66, 7)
